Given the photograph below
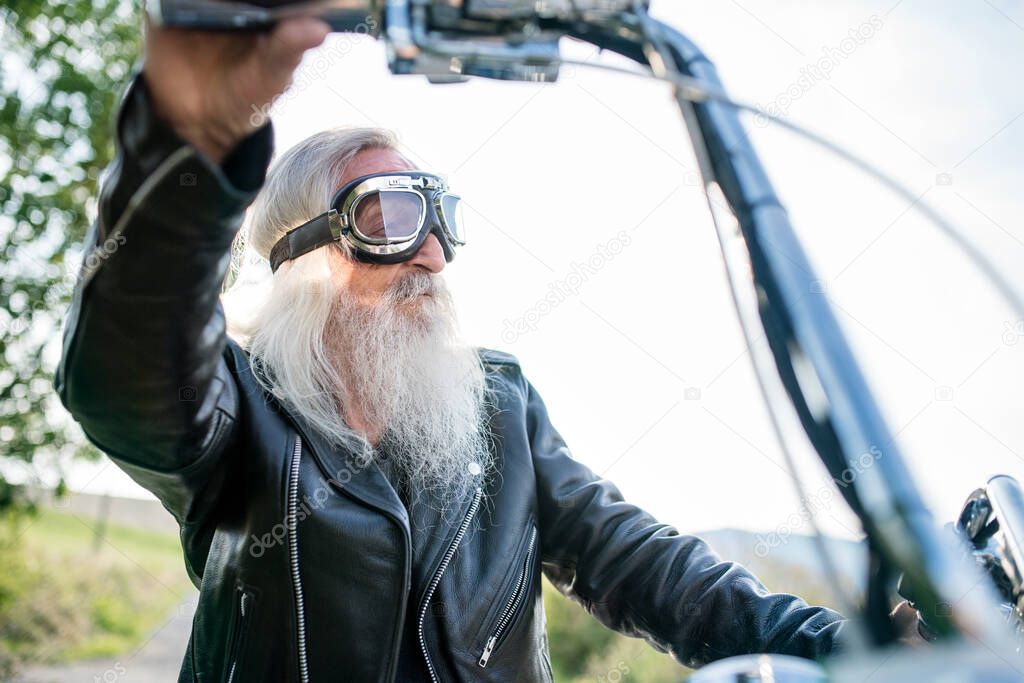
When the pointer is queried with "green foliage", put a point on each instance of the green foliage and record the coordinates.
(52, 611)
(582, 649)
(111, 614)
(64, 67)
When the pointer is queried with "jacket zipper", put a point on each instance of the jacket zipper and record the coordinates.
(512, 606)
(293, 557)
(432, 586)
(238, 635)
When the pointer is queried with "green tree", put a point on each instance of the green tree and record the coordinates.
(63, 68)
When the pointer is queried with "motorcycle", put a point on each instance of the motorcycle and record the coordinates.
(968, 586)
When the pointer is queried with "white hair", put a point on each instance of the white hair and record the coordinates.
(428, 393)
(285, 334)
(305, 179)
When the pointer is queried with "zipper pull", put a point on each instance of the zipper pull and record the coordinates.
(487, 651)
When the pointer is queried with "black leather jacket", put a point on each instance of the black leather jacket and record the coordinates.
(306, 561)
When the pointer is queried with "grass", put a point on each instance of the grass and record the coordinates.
(66, 595)
(71, 535)
(584, 650)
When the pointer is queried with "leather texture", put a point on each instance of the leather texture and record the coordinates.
(302, 240)
(150, 374)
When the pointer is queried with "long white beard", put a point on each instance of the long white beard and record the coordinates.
(402, 362)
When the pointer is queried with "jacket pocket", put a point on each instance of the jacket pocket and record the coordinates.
(244, 603)
(515, 604)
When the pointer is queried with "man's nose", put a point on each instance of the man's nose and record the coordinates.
(430, 255)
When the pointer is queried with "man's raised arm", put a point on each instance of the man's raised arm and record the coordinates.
(142, 368)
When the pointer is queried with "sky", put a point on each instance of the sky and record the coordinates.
(585, 192)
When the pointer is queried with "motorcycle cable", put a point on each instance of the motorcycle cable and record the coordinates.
(663, 66)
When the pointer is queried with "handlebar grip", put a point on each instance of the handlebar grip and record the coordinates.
(345, 16)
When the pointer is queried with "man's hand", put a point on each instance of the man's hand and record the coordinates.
(905, 618)
(209, 85)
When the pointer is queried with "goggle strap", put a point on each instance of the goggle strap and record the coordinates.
(302, 240)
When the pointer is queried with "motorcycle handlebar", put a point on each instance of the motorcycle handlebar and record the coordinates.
(347, 16)
(364, 16)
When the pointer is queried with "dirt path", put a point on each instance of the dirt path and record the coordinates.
(158, 659)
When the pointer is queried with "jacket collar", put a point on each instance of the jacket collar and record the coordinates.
(350, 473)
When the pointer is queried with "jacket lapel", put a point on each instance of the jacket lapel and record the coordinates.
(350, 474)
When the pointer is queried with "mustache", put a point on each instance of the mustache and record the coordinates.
(414, 284)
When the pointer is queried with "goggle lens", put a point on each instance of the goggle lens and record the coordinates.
(386, 222)
(388, 216)
(452, 214)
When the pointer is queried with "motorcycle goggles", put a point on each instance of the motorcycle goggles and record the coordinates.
(385, 218)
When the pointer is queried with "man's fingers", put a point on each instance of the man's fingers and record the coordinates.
(292, 37)
(903, 613)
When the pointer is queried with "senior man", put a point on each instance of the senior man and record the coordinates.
(362, 496)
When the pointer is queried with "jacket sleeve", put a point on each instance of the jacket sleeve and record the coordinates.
(644, 579)
(143, 368)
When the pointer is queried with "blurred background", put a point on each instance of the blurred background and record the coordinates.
(592, 258)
